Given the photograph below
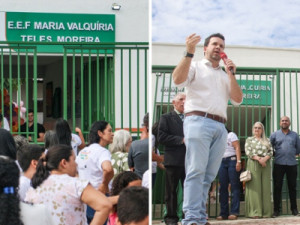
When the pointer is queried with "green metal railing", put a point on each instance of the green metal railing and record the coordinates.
(12, 79)
(99, 82)
(269, 93)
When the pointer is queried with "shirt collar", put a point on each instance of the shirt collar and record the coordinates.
(177, 111)
(284, 133)
(208, 63)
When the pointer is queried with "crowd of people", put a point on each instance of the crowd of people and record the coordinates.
(73, 181)
(70, 181)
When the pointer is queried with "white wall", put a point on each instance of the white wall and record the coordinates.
(171, 54)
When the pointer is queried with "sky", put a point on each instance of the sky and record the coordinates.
(263, 23)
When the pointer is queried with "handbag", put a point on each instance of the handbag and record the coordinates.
(245, 176)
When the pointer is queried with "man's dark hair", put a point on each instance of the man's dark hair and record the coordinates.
(133, 205)
(207, 40)
(27, 153)
(30, 111)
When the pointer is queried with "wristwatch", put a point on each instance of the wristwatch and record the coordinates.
(239, 161)
(187, 54)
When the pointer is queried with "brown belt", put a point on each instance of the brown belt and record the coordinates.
(208, 115)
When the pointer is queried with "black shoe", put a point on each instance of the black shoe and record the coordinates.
(295, 212)
(171, 223)
(275, 214)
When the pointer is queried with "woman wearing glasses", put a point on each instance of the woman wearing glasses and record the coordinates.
(258, 190)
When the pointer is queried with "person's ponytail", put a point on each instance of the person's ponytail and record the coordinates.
(51, 162)
(41, 174)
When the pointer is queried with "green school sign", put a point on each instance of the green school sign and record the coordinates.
(256, 92)
(57, 27)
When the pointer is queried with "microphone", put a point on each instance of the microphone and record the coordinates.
(224, 58)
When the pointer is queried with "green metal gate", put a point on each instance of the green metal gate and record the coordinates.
(108, 75)
(106, 81)
(268, 94)
(18, 65)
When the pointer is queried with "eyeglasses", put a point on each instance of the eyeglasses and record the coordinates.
(257, 127)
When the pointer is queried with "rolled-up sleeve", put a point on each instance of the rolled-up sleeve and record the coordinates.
(190, 76)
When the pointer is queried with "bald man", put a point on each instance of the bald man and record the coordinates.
(286, 145)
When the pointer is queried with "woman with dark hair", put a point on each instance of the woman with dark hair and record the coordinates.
(94, 161)
(56, 185)
(66, 137)
(7, 144)
(14, 212)
(121, 181)
(9, 201)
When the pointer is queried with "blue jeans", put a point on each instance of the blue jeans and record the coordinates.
(205, 141)
(228, 174)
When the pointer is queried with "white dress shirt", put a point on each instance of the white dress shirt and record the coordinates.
(207, 89)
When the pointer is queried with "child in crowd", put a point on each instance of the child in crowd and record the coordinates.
(28, 156)
(133, 206)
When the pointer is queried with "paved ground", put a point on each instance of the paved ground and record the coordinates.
(281, 220)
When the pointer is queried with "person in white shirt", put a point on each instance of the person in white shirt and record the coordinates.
(94, 161)
(229, 173)
(145, 180)
(208, 89)
(28, 156)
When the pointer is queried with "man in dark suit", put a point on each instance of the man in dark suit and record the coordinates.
(170, 134)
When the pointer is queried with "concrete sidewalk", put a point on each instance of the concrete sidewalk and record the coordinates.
(281, 220)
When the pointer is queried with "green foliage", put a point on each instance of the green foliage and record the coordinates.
(14, 83)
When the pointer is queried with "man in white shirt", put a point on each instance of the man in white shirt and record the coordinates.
(208, 89)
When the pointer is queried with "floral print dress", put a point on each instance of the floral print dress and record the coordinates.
(119, 161)
(61, 194)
